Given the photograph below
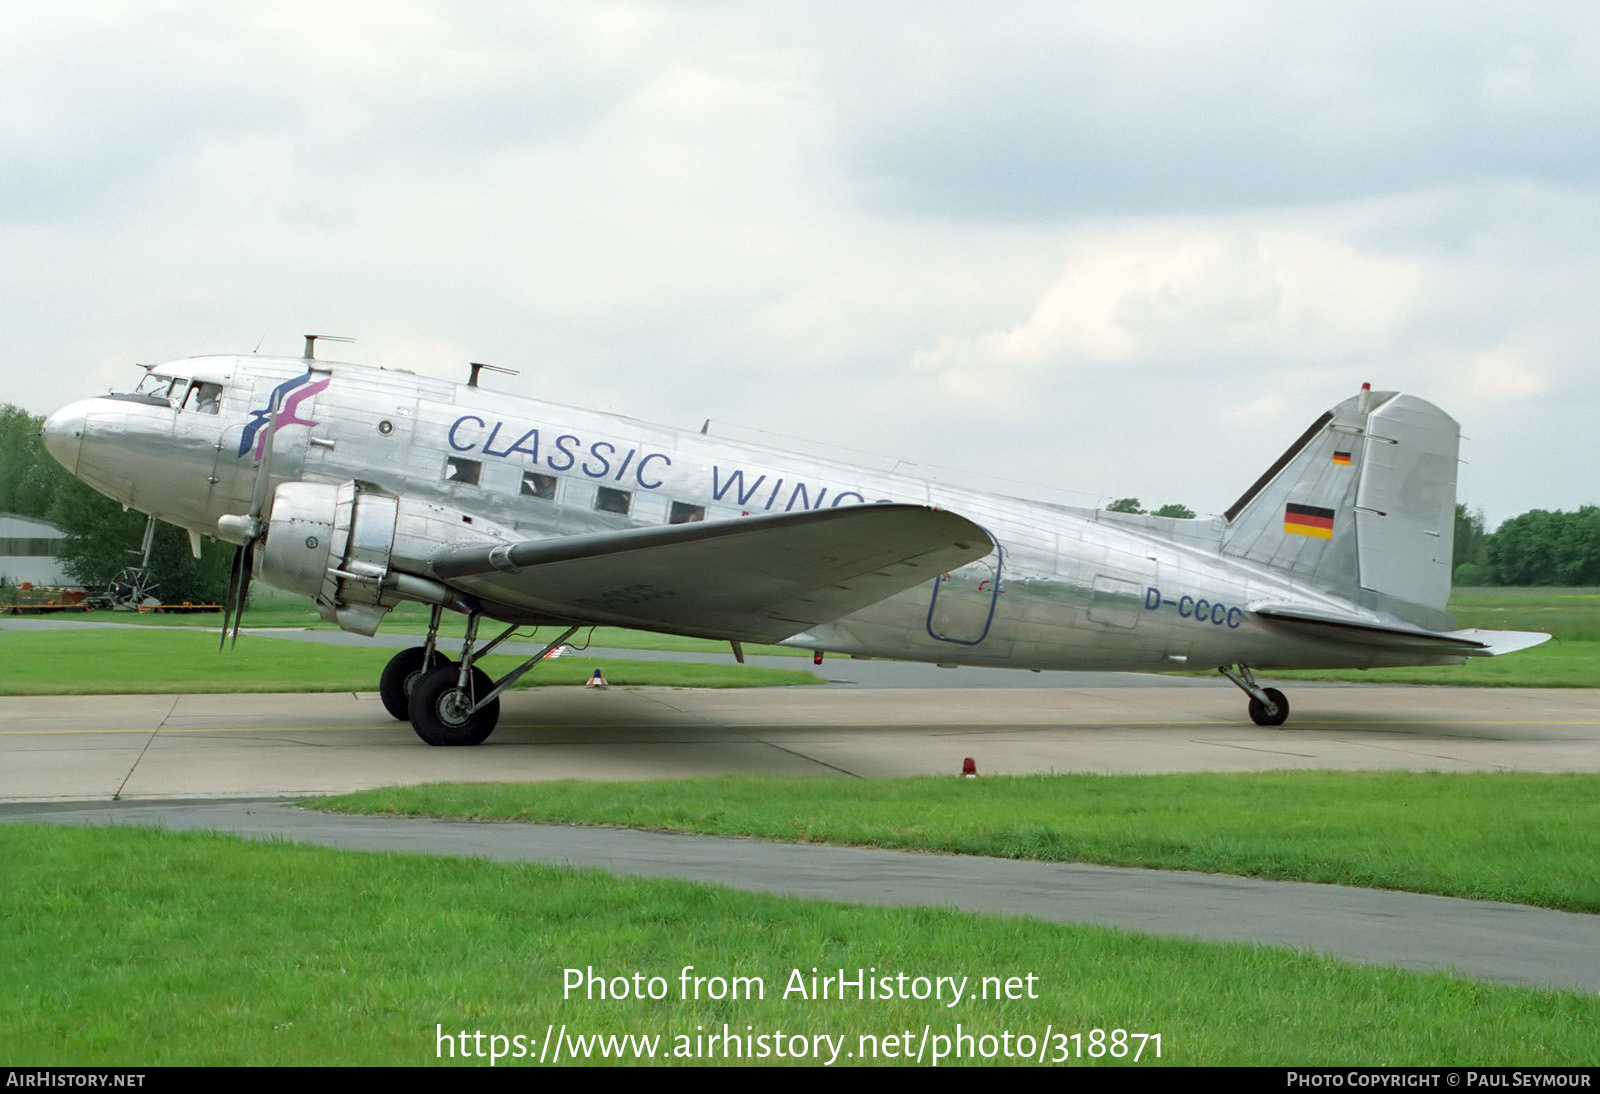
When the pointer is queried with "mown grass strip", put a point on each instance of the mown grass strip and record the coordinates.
(277, 609)
(115, 661)
(1572, 616)
(1526, 839)
(1559, 663)
(133, 947)
(1562, 613)
(1571, 659)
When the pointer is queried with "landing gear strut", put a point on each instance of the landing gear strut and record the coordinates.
(1268, 706)
(405, 668)
(457, 704)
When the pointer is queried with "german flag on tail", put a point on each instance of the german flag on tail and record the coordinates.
(1342, 459)
(1308, 520)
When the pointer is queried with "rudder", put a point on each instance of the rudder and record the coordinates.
(1362, 505)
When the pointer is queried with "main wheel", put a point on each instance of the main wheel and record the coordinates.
(441, 711)
(1258, 709)
(400, 678)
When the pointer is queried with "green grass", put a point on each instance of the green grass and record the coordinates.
(1571, 659)
(1556, 664)
(113, 661)
(1526, 839)
(1566, 614)
(133, 948)
(277, 609)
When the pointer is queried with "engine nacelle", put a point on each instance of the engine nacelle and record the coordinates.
(339, 545)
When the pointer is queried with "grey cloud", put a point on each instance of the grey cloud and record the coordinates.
(1187, 112)
(92, 107)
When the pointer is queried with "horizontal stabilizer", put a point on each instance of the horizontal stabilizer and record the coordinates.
(1498, 642)
(758, 579)
(1321, 623)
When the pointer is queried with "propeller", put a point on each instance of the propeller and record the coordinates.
(248, 530)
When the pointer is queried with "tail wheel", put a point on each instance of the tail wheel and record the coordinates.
(400, 678)
(1258, 709)
(441, 710)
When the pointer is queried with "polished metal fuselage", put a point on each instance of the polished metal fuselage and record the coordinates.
(1065, 587)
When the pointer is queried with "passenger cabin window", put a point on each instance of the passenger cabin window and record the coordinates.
(608, 500)
(535, 485)
(684, 513)
(461, 470)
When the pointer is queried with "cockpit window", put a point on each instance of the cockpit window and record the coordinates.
(203, 397)
(158, 386)
(156, 390)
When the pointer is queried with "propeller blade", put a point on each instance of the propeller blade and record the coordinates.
(246, 568)
(244, 556)
(232, 597)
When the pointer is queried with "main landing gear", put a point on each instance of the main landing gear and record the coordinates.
(1268, 707)
(448, 702)
(405, 668)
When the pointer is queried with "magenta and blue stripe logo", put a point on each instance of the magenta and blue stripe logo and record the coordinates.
(289, 394)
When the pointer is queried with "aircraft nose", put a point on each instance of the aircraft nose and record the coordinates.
(63, 434)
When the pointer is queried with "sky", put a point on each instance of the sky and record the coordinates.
(1082, 250)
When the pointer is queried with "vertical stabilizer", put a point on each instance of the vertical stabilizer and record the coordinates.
(1362, 505)
(1406, 504)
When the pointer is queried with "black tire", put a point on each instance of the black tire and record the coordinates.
(438, 708)
(400, 678)
(1258, 709)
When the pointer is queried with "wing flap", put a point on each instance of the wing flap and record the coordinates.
(1320, 623)
(760, 578)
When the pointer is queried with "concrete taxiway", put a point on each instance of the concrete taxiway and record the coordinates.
(211, 746)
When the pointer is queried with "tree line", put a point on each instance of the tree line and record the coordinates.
(1537, 548)
(1131, 505)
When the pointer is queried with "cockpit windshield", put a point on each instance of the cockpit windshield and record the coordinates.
(158, 386)
(200, 396)
(153, 390)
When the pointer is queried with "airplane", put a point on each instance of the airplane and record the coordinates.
(362, 487)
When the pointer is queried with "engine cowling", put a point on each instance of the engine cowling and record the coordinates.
(357, 552)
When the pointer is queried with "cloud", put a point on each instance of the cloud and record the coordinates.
(1502, 374)
(1180, 108)
(1176, 296)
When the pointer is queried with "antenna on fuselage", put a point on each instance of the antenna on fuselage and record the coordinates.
(479, 366)
(311, 343)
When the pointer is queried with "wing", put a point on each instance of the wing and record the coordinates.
(758, 579)
(1320, 623)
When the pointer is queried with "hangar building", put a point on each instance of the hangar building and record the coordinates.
(28, 549)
